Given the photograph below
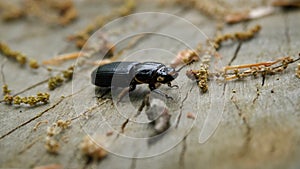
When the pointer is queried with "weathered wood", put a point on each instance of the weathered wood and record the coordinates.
(259, 127)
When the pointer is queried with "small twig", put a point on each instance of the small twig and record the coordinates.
(39, 123)
(266, 64)
(61, 58)
(263, 68)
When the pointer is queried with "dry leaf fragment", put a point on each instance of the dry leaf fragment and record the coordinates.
(185, 57)
(109, 133)
(190, 115)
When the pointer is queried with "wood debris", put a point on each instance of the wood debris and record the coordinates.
(286, 3)
(52, 146)
(52, 142)
(82, 36)
(185, 57)
(191, 115)
(109, 133)
(39, 123)
(92, 149)
(63, 76)
(298, 71)
(210, 8)
(54, 82)
(50, 166)
(201, 77)
(237, 36)
(61, 58)
(7, 51)
(259, 12)
(40, 98)
(5, 90)
(17, 56)
(51, 11)
(11, 11)
(263, 68)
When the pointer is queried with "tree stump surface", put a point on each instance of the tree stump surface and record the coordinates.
(259, 127)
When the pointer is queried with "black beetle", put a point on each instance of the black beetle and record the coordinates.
(130, 74)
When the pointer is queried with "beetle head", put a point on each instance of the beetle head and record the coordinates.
(166, 74)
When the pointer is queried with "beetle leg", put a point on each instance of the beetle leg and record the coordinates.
(132, 87)
(146, 102)
(125, 91)
(162, 94)
(154, 89)
(173, 86)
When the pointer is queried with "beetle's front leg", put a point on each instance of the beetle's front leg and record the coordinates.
(154, 89)
(173, 86)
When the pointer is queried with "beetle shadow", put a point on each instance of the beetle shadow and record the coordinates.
(102, 93)
(134, 96)
(156, 137)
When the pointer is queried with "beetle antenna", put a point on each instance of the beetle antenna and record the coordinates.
(185, 65)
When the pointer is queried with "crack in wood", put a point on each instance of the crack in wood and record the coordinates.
(235, 53)
(31, 87)
(29, 145)
(32, 119)
(28, 88)
(181, 106)
(38, 115)
(182, 153)
(133, 163)
(248, 133)
(263, 80)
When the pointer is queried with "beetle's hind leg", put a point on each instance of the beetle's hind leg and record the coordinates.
(173, 86)
(124, 92)
(145, 103)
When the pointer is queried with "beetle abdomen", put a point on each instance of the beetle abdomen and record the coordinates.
(116, 74)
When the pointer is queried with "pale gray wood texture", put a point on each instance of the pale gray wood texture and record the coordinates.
(256, 131)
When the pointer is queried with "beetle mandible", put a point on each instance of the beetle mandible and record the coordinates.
(130, 74)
